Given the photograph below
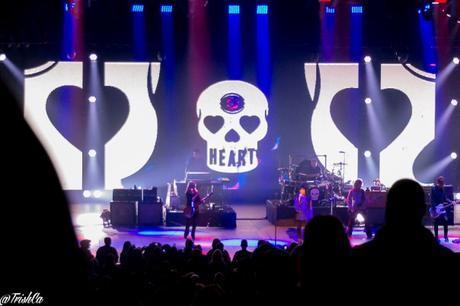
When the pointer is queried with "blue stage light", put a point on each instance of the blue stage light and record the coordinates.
(69, 5)
(262, 9)
(137, 8)
(166, 8)
(426, 9)
(330, 10)
(233, 9)
(356, 9)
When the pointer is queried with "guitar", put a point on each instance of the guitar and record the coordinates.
(189, 211)
(440, 209)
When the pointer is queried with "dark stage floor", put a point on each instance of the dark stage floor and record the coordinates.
(88, 225)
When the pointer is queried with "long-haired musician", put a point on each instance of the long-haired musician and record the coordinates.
(191, 210)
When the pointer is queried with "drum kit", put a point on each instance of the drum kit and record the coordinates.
(327, 187)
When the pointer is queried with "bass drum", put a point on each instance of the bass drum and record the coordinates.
(320, 196)
(315, 194)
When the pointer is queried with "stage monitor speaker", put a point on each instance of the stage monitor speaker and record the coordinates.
(279, 214)
(150, 214)
(123, 213)
(127, 195)
(228, 218)
(175, 218)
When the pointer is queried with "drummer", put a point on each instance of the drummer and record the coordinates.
(310, 169)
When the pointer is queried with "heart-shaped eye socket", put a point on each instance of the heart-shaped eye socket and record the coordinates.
(250, 123)
(213, 123)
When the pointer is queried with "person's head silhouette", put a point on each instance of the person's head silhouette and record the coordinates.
(107, 241)
(405, 204)
(215, 243)
(244, 244)
(188, 244)
(85, 244)
(325, 236)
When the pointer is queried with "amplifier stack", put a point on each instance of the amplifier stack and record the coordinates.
(136, 207)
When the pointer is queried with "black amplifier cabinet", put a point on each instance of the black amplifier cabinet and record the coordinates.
(123, 213)
(127, 195)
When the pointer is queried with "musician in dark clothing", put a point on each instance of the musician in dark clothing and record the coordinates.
(310, 169)
(191, 210)
(356, 201)
(439, 196)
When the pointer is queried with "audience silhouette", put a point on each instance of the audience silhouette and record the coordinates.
(107, 255)
(403, 234)
(35, 214)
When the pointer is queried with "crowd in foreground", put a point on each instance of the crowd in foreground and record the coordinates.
(324, 261)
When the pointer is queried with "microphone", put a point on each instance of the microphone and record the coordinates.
(341, 151)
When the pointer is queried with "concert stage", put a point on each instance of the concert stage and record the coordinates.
(251, 225)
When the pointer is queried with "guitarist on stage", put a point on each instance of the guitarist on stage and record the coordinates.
(439, 196)
(191, 210)
(356, 202)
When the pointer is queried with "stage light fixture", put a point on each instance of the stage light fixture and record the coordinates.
(2, 57)
(457, 196)
(97, 193)
(86, 193)
(367, 59)
(92, 99)
(426, 9)
(262, 9)
(356, 9)
(166, 8)
(93, 57)
(455, 60)
(454, 102)
(233, 9)
(92, 153)
(360, 218)
(69, 5)
(368, 100)
(367, 153)
(137, 8)
(330, 10)
(453, 155)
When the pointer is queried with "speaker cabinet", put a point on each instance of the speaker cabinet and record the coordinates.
(228, 218)
(150, 195)
(123, 213)
(127, 195)
(150, 214)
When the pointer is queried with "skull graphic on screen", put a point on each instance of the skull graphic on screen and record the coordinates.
(232, 120)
